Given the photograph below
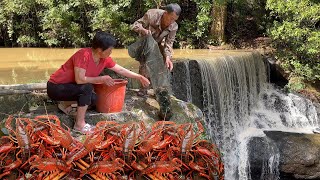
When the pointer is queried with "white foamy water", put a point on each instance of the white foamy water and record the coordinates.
(274, 111)
(240, 104)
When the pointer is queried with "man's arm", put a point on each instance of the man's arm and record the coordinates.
(168, 48)
(168, 45)
(142, 23)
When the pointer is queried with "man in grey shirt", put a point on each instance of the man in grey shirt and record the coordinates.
(157, 29)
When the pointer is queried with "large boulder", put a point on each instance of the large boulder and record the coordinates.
(187, 82)
(146, 109)
(299, 155)
(136, 108)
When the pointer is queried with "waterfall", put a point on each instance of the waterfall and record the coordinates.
(239, 103)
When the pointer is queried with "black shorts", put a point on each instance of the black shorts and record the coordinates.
(82, 93)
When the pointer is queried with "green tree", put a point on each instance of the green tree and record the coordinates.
(296, 36)
(65, 23)
(18, 21)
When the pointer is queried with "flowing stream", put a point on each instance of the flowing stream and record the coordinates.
(239, 104)
(30, 65)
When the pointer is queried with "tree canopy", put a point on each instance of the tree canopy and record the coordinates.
(296, 36)
(66, 23)
(294, 25)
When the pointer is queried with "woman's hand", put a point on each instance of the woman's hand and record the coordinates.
(127, 73)
(107, 80)
(144, 81)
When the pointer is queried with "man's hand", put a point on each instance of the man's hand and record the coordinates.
(107, 80)
(144, 81)
(145, 32)
(169, 63)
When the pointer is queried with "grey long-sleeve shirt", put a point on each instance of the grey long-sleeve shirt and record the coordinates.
(152, 21)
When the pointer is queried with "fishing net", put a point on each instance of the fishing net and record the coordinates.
(146, 50)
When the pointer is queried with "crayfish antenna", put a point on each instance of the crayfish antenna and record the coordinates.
(20, 112)
(45, 108)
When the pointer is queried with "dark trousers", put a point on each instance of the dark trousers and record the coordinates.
(148, 52)
(82, 93)
(150, 55)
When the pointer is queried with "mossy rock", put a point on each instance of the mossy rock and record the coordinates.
(135, 109)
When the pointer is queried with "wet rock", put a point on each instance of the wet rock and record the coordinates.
(136, 108)
(16, 103)
(153, 103)
(261, 160)
(299, 154)
(179, 85)
(163, 98)
(277, 75)
(178, 78)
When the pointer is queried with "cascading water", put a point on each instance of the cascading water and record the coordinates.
(240, 104)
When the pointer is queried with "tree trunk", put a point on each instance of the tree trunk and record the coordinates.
(22, 88)
(31, 86)
(11, 92)
(158, 3)
(219, 16)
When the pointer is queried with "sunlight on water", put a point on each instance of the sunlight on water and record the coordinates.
(29, 65)
(275, 111)
(231, 87)
(239, 104)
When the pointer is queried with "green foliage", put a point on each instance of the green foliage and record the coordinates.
(296, 36)
(25, 40)
(17, 19)
(203, 18)
(66, 23)
(194, 24)
(295, 84)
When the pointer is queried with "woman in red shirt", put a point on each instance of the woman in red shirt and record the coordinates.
(73, 80)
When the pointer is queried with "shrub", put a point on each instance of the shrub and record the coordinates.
(296, 36)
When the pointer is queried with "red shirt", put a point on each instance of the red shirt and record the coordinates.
(81, 59)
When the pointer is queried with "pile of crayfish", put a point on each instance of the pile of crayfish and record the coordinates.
(40, 148)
